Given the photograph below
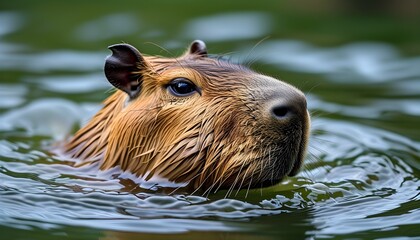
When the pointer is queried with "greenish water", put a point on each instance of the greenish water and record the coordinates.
(358, 64)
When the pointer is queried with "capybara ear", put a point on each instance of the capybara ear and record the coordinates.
(123, 68)
(198, 47)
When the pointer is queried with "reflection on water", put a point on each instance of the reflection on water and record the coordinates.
(50, 117)
(356, 63)
(373, 110)
(99, 29)
(236, 26)
(10, 22)
(359, 181)
(53, 61)
(11, 95)
(72, 84)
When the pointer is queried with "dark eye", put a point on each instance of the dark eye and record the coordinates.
(181, 87)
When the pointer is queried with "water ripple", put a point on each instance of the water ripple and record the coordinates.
(109, 26)
(236, 26)
(62, 60)
(356, 62)
(12, 95)
(76, 84)
(10, 22)
(47, 117)
(366, 182)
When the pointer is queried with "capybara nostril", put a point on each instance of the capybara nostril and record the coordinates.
(293, 106)
(281, 111)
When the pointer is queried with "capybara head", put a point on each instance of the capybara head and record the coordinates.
(197, 120)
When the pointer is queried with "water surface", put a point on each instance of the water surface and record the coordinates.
(361, 177)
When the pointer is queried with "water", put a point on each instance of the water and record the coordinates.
(361, 178)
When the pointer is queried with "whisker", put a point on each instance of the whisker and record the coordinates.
(252, 50)
(161, 48)
(242, 182)
(312, 88)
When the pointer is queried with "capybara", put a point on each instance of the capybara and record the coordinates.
(195, 119)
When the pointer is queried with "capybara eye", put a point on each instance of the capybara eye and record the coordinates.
(181, 87)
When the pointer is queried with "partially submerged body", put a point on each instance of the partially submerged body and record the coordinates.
(196, 120)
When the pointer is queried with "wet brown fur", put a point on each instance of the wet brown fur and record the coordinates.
(212, 139)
